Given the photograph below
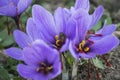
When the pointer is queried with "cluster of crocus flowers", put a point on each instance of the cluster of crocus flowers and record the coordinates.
(49, 35)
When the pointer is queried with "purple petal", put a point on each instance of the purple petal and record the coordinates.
(14, 1)
(71, 28)
(44, 18)
(87, 55)
(65, 47)
(104, 45)
(22, 39)
(33, 30)
(31, 57)
(40, 76)
(3, 3)
(67, 12)
(107, 30)
(72, 50)
(9, 10)
(14, 53)
(26, 71)
(60, 20)
(23, 5)
(56, 71)
(96, 16)
(83, 21)
(82, 4)
(50, 54)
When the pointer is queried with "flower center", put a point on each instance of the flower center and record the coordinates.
(60, 40)
(82, 47)
(44, 68)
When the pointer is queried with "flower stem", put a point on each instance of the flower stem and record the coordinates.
(74, 70)
(17, 22)
(8, 27)
(97, 74)
(89, 76)
(107, 62)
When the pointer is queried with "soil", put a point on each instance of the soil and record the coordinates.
(109, 73)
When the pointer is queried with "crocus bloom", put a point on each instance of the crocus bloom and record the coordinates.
(56, 30)
(94, 18)
(84, 47)
(85, 5)
(13, 8)
(41, 62)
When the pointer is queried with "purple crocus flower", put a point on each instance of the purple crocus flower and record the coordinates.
(41, 62)
(85, 5)
(56, 30)
(84, 47)
(94, 18)
(13, 8)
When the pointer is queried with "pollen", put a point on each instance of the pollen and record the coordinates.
(86, 49)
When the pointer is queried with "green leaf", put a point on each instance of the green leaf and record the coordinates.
(98, 63)
(97, 26)
(17, 78)
(118, 25)
(5, 39)
(70, 59)
(4, 74)
(109, 20)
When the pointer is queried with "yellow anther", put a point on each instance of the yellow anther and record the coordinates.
(86, 49)
(83, 42)
(56, 37)
(58, 42)
(81, 45)
(49, 68)
(39, 69)
(43, 64)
